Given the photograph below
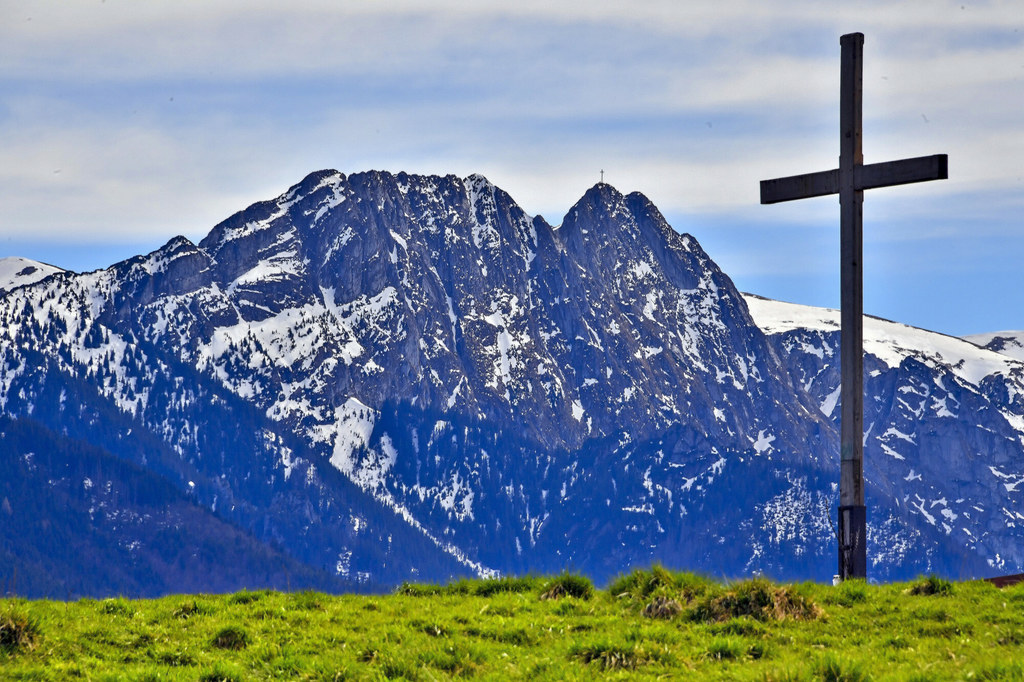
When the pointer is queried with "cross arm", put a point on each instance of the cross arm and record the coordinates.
(902, 172)
(800, 186)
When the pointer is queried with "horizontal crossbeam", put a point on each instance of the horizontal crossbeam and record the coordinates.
(902, 172)
(870, 176)
(800, 186)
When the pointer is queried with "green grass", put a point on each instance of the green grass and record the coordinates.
(652, 624)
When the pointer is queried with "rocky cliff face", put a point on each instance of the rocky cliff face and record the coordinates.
(404, 377)
(944, 429)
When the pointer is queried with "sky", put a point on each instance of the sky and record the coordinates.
(126, 123)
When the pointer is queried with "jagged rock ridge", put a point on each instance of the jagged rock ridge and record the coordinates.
(406, 377)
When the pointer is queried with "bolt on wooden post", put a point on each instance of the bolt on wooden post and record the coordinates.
(849, 181)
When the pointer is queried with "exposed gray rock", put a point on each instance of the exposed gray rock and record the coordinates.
(405, 377)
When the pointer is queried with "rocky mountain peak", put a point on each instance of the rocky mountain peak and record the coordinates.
(406, 375)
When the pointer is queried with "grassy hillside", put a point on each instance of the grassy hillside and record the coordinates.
(649, 624)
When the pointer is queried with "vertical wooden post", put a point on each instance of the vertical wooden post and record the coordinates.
(852, 512)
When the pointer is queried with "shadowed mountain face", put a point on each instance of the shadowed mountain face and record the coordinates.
(77, 522)
(396, 377)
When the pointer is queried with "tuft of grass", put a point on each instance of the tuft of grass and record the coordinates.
(432, 628)
(725, 649)
(848, 593)
(18, 630)
(641, 585)
(758, 599)
(735, 649)
(308, 600)
(407, 589)
(663, 607)
(897, 641)
(744, 626)
(507, 585)
(567, 609)
(759, 650)
(246, 597)
(191, 608)
(398, 669)
(512, 636)
(221, 673)
(455, 660)
(950, 630)
(612, 656)
(176, 659)
(932, 585)
(117, 607)
(392, 666)
(568, 585)
(231, 637)
(835, 669)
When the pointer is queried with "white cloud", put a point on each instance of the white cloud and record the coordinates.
(165, 117)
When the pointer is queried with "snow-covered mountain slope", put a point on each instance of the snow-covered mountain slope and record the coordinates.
(1009, 343)
(406, 377)
(944, 420)
(892, 342)
(16, 272)
(422, 341)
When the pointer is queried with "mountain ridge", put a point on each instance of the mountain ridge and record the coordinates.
(422, 381)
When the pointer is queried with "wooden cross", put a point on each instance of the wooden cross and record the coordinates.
(849, 181)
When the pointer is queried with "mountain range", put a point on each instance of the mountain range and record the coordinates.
(384, 377)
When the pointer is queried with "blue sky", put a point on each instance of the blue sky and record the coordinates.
(123, 124)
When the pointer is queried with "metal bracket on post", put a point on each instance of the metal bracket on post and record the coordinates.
(853, 557)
